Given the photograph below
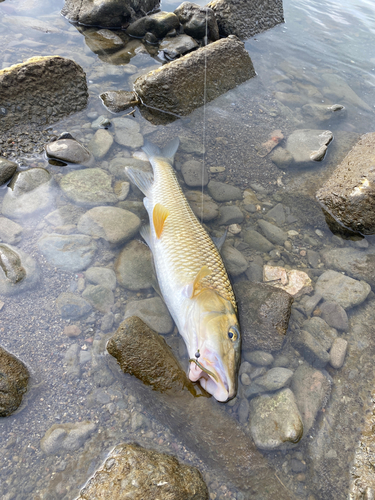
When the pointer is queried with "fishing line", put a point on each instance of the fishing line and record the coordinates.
(204, 110)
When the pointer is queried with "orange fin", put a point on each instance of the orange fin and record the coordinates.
(159, 216)
(205, 271)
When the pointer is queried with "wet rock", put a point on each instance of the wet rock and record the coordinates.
(103, 41)
(313, 258)
(101, 276)
(29, 193)
(310, 348)
(230, 214)
(65, 215)
(307, 145)
(272, 232)
(321, 331)
(66, 437)
(118, 100)
(72, 306)
(245, 18)
(194, 19)
(112, 13)
(264, 313)
(70, 151)
(345, 291)
(159, 24)
(349, 193)
(177, 45)
(259, 358)
(153, 312)
(127, 132)
(335, 315)
(14, 378)
(296, 283)
(64, 90)
(339, 89)
(274, 379)
(323, 112)
(73, 252)
(18, 271)
(311, 389)
(275, 422)
(277, 213)
(256, 241)
(72, 331)
(131, 471)
(243, 410)
(309, 303)
(224, 192)
(202, 205)
(100, 297)
(194, 173)
(89, 187)
(7, 170)
(113, 224)
(133, 266)
(10, 231)
(235, 262)
(338, 352)
(175, 88)
(359, 264)
(100, 144)
(136, 207)
(117, 167)
(121, 190)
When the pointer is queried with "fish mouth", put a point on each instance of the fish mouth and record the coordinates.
(210, 379)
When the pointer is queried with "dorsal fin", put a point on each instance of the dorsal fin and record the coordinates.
(205, 271)
(159, 216)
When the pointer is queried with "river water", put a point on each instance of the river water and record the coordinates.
(292, 61)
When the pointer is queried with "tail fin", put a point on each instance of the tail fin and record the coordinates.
(167, 152)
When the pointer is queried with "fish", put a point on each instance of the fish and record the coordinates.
(191, 276)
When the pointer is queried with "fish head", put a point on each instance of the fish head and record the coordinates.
(216, 352)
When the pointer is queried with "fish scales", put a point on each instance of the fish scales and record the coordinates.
(184, 239)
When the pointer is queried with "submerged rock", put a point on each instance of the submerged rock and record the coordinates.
(158, 24)
(131, 471)
(295, 282)
(196, 19)
(72, 306)
(348, 195)
(127, 132)
(10, 231)
(359, 264)
(133, 266)
(72, 253)
(153, 312)
(66, 437)
(306, 146)
(70, 151)
(345, 291)
(178, 87)
(119, 100)
(89, 187)
(14, 378)
(203, 206)
(18, 271)
(7, 170)
(63, 84)
(323, 112)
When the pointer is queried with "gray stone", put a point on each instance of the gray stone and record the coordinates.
(196, 20)
(310, 348)
(307, 145)
(235, 262)
(313, 258)
(113, 224)
(70, 151)
(64, 90)
(264, 313)
(191, 146)
(254, 272)
(323, 112)
(128, 468)
(243, 411)
(19, 272)
(338, 352)
(136, 207)
(89, 187)
(275, 422)
(118, 100)
(359, 264)
(273, 233)
(202, 205)
(117, 166)
(71, 362)
(151, 311)
(311, 389)
(335, 315)
(127, 132)
(277, 213)
(10, 231)
(339, 89)
(220, 191)
(178, 45)
(321, 331)
(100, 144)
(7, 170)
(245, 18)
(72, 306)
(107, 322)
(68, 437)
(194, 173)
(101, 276)
(282, 158)
(309, 303)
(175, 88)
(275, 379)
(230, 214)
(72, 253)
(348, 195)
(133, 266)
(159, 24)
(256, 241)
(345, 291)
(259, 358)
(100, 297)
(14, 378)
(65, 215)
(282, 361)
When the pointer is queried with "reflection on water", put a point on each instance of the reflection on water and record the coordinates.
(324, 54)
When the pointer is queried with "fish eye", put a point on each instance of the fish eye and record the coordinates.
(233, 333)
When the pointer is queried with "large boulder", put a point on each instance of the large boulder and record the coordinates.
(196, 20)
(349, 194)
(246, 18)
(14, 378)
(106, 13)
(178, 87)
(41, 90)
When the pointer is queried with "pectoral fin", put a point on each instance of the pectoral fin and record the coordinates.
(205, 271)
(143, 180)
(159, 216)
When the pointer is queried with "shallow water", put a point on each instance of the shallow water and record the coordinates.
(318, 39)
